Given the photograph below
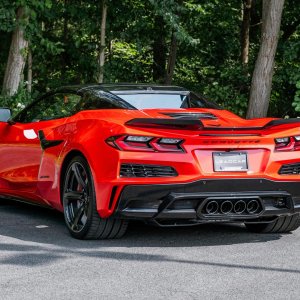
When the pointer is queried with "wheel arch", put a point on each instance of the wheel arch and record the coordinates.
(67, 159)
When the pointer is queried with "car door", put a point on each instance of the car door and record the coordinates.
(20, 149)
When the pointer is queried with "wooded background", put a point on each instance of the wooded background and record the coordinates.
(223, 49)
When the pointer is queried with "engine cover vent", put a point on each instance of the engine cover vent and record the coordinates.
(137, 170)
(203, 116)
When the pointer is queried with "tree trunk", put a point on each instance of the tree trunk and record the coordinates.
(263, 72)
(159, 50)
(245, 31)
(16, 58)
(171, 60)
(64, 56)
(29, 71)
(102, 43)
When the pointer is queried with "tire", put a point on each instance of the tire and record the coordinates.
(79, 203)
(283, 224)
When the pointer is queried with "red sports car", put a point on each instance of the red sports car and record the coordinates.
(106, 154)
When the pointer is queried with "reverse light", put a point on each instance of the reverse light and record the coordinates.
(297, 138)
(287, 143)
(283, 144)
(139, 139)
(170, 141)
(284, 140)
(145, 143)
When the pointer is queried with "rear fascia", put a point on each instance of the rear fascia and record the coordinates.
(160, 199)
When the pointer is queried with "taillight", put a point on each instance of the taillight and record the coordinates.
(297, 143)
(287, 143)
(145, 143)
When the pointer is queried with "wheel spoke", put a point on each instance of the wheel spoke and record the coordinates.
(76, 197)
(78, 216)
(73, 196)
(79, 176)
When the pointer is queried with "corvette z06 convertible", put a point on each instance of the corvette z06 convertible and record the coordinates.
(107, 154)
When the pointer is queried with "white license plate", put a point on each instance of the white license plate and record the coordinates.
(230, 161)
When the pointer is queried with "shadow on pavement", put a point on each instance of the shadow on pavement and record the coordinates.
(40, 225)
(38, 236)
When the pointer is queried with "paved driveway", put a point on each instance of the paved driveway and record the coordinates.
(39, 260)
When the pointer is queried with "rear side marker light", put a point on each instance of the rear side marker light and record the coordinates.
(145, 143)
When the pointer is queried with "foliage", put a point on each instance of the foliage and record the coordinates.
(64, 38)
(17, 102)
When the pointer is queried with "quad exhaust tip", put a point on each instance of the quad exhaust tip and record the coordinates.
(212, 207)
(253, 206)
(226, 207)
(238, 207)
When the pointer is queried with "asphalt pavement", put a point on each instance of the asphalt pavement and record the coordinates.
(39, 260)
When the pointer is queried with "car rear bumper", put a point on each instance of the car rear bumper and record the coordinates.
(186, 204)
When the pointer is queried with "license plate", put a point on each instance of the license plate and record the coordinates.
(230, 161)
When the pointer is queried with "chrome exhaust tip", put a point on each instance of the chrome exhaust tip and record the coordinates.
(212, 207)
(239, 207)
(253, 206)
(226, 207)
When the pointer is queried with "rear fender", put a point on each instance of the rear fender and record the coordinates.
(88, 138)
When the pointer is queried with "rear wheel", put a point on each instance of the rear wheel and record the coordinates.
(281, 225)
(79, 202)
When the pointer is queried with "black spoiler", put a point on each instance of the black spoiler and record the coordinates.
(194, 124)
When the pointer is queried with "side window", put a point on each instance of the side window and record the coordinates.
(90, 102)
(52, 107)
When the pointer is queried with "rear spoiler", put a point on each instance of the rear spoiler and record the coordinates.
(194, 124)
(283, 122)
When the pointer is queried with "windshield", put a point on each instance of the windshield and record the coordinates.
(164, 100)
(143, 101)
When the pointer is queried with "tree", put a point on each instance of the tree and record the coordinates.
(247, 4)
(102, 42)
(173, 51)
(29, 71)
(159, 49)
(17, 55)
(197, 39)
(171, 59)
(263, 72)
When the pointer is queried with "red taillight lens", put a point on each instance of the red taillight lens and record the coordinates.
(167, 145)
(287, 143)
(145, 143)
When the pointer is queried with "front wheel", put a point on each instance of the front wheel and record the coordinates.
(283, 224)
(79, 202)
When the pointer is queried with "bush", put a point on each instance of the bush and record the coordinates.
(18, 101)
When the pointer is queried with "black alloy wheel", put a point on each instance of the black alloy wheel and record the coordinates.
(76, 197)
(79, 202)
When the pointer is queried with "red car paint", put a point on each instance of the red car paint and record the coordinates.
(30, 173)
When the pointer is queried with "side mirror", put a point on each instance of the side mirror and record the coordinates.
(5, 114)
